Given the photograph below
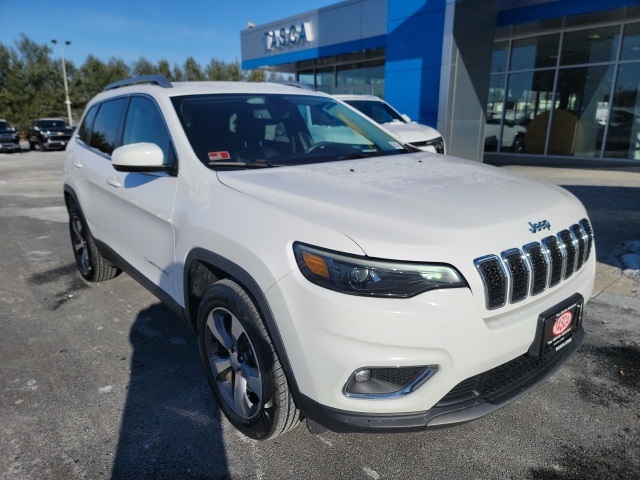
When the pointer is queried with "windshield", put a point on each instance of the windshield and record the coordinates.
(52, 123)
(231, 130)
(378, 111)
(4, 125)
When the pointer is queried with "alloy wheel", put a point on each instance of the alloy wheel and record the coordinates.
(233, 362)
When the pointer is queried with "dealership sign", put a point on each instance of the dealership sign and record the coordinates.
(294, 35)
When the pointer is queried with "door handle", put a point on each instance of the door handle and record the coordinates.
(77, 164)
(114, 182)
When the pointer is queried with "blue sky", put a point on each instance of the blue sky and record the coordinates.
(158, 29)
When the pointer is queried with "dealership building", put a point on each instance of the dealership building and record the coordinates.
(548, 81)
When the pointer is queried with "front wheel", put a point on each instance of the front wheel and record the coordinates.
(241, 364)
(518, 144)
(92, 265)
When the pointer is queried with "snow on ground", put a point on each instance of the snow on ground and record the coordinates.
(626, 256)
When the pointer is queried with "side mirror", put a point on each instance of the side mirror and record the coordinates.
(139, 157)
(406, 118)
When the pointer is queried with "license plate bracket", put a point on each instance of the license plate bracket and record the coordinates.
(556, 326)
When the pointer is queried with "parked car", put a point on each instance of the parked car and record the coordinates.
(9, 139)
(420, 136)
(330, 273)
(512, 135)
(49, 134)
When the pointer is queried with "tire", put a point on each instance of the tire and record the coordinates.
(241, 364)
(92, 265)
(41, 146)
(518, 144)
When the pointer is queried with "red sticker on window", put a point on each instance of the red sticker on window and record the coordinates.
(215, 156)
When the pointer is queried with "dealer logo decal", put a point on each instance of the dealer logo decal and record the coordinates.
(562, 323)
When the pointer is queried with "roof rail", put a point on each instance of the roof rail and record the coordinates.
(292, 83)
(159, 80)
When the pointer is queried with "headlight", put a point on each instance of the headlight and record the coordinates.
(370, 277)
(437, 143)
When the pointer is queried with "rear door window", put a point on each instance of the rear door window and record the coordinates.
(85, 128)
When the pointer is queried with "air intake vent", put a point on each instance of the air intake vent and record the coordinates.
(516, 274)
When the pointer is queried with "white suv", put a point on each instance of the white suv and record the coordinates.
(421, 136)
(330, 273)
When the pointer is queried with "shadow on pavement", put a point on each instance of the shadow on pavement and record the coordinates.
(614, 214)
(170, 425)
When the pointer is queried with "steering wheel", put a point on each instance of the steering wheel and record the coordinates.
(318, 146)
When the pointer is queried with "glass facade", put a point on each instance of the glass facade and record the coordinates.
(354, 73)
(571, 93)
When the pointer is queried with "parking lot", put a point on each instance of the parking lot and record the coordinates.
(103, 381)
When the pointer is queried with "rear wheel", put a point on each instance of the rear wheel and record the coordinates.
(241, 364)
(92, 265)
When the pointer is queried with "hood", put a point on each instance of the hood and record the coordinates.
(420, 207)
(411, 132)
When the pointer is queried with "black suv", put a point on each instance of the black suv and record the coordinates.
(9, 141)
(49, 134)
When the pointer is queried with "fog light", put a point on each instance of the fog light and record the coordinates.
(387, 382)
(363, 375)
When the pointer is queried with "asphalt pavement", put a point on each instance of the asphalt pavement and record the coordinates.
(103, 381)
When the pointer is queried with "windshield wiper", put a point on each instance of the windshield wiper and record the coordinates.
(241, 165)
(352, 156)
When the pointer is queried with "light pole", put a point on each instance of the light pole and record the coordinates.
(64, 78)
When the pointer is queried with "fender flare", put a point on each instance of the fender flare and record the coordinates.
(245, 279)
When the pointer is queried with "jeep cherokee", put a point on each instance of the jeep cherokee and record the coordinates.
(331, 273)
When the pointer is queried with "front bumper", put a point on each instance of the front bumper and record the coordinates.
(9, 147)
(328, 336)
(446, 414)
(52, 143)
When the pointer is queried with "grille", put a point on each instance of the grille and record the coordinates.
(556, 259)
(495, 280)
(517, 273)
(539, 264)
(500, 381)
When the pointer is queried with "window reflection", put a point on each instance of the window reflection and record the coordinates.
(538, 52)
(543, 105)
(529, 100)
(631, 42)
(623, 134)
(367, 78)
(500, 57)
(595, 45)
(582, 103)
